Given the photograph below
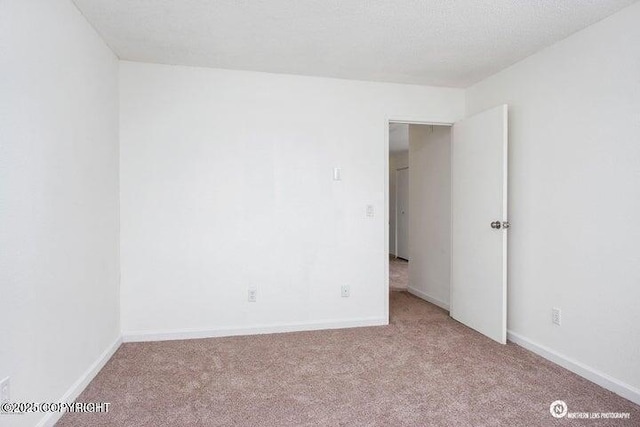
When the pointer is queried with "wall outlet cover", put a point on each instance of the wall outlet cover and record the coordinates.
(253, 293)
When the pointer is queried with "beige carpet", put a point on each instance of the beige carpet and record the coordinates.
(423, 369)
(398, 273)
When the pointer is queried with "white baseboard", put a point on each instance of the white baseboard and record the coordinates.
(432, 300)
(182, 334)
(603, 380)
(74, 391)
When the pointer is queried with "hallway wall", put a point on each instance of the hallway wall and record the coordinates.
(430, 212)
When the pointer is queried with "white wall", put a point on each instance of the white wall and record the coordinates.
(430, 208)
(58, 200)
(575, 194)
(227, 182)
(397, 161)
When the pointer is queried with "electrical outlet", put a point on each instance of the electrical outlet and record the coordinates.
(253, 293)
(4, 390)
(556, 316)
(345, 291)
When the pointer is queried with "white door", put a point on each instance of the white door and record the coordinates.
(479, 223)
(402, 213)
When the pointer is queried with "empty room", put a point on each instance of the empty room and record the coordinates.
(319, 213)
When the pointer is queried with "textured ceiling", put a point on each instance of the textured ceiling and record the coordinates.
(398, 137)
(436, 42)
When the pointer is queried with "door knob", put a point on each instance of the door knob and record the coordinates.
(498, 225)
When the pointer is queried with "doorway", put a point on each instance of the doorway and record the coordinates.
(419, 210)
(457, 217)
(402, 213)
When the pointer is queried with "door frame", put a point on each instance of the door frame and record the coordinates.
(388, 121)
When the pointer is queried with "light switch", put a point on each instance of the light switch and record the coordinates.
(370, 211)
(336, 174)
